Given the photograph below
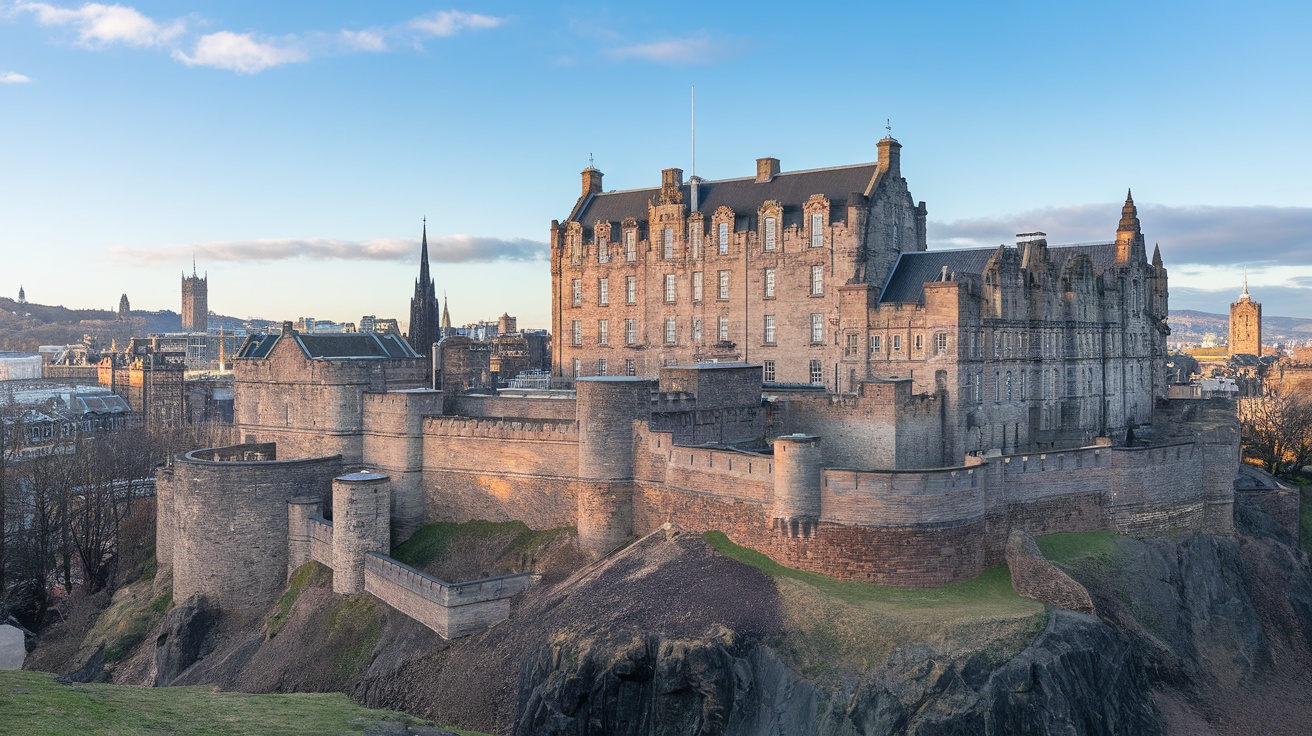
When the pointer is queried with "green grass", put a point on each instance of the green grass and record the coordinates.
(431, 541)
(838, 629)
(32, 703)
(136, 609)
(308, 575)
(355, 625)
(1078, 547)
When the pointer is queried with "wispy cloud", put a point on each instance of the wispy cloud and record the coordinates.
(450, 22)
(239, 52)
(695, 49)
(364, 40)
(444, 249)
(97, 24)
(14, 78)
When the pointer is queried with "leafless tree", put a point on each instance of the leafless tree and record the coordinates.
(1276, 426)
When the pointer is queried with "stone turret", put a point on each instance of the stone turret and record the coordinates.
(798, 461)
(1129, 236)
(591, 181)
(362, 521)
(606, 409)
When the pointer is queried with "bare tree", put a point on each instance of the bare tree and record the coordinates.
(1276, 426)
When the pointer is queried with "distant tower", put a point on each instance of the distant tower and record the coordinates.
(195, 301)
(124, 309)
(1246, 325)
(423, 307)
(22, 296)
(1129, 237)
(446, 318)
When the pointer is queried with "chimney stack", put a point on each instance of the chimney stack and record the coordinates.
(591, 181)
(890, 154)
(766, 169)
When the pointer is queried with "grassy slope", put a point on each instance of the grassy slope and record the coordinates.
(841, 627)
(431, 541)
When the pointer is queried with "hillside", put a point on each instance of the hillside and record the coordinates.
(25, 327)
(1189, 326)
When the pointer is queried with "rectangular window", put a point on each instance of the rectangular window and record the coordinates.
(769, 329)
(722, 333)
(575, 373)
(817, 328)
(603, 247)
(817, 230)
(979, 387)
(724, 285)
(769, 283)
(696, 286)
(817, 372)
(697, 331)
(771, 240)
(630, 245)
(853, 345)
(722, 237)
(876, 344)
(603, 332)
(897, 344)
(603, 291)
(629, 368)
(576, 333)
(817, 280)
(667, 244)
(601, 366)
(630, 290)
(941, 343)
(577, 287)
(769, 371)
(920, 342)
(695, 238)
(630, 331)
(669, 287)
(669, 331)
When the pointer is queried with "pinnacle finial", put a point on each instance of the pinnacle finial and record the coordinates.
(888, 126)
(1245, 294)
(1129, 196)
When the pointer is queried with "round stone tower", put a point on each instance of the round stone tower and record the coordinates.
(606, 410)
(362, 523)
(299, 512)
(797, 464)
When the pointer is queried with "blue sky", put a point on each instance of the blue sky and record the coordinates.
(294, 147)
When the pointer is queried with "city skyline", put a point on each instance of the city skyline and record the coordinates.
(295, 150)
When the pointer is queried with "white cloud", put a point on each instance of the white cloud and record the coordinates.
(451, 22)
(698, 49)
(443, 249)
(99, 24)
(364, 40)
(239, 52)
(14, 78)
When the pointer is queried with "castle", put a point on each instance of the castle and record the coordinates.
(1245, 325)
(1000, 398)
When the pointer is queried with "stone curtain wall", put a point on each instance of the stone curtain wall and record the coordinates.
(451, 609)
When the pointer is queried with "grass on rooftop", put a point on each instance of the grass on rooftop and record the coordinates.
(431, 541)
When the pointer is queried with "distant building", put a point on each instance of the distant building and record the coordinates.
(50, 416)
(22, 296)
(387, 326)
(124, 309)
(195, 302)
(506, 324)
(20, 366)
(1246, 325)
(367, 323)
(423, 306)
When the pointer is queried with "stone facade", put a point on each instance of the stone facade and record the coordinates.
(1245, 325)
(195, 302)
(822, 277)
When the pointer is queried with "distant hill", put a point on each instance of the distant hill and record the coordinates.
(24, 327)
(1189, 326)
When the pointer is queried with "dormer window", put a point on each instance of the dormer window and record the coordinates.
(695, 239)
(722, 237)
(603, 246)
(667, 244)
(771, 233)
(817, 230)
(630, 245)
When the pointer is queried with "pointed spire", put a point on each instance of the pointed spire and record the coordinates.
(1157, 255)
(446, 315)
(1245, 294)
(1129, 214)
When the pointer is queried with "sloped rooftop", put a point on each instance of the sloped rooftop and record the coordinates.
(906, 283)
(366, 345)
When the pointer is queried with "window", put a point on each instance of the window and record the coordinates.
(603, 247)
(669, 287)
(724, 285)
(577, 287)
(576, 333)
(896, 344)
(979, 387)
(603, 332)
(696, 286)
(575, 252)
(669, 331)
(630, 331)
(630, 290)
(667, 244)
(629, 369)
(575, 374)
(1022, 386)
(769, 329)
(817, 280)
(817, 230)
(697, 331)
(722, 331)
(769, 283)
(695, 237)
(997, 386)
(630, 245)
(876, 344)
(722, 237)
(853, 340)
(817, 328)
(771, 240)
(920, 342)
(941, 343)
(769, 371)
(601, 366)
(1009, 387)
(817, 372)
(603, 291)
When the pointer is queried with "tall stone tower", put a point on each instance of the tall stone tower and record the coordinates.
(22, 296)
(195, 301)
(423, 307)
(446, 330)
(1129, 236)
(1245, 325)
(124, 309)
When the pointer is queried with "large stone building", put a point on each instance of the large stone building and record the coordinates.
(822, 277)
(195, 302)
(1245, 325)
(423, 306)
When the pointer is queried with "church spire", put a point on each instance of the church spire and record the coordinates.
(1129, 237)
(446, 316)
(423, 306)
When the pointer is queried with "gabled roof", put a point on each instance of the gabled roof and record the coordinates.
(369, 345)
(744, 196)
(906, 283)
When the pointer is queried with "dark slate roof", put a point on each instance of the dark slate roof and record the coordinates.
(906, 284)
(743, 196)
(330, 346)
